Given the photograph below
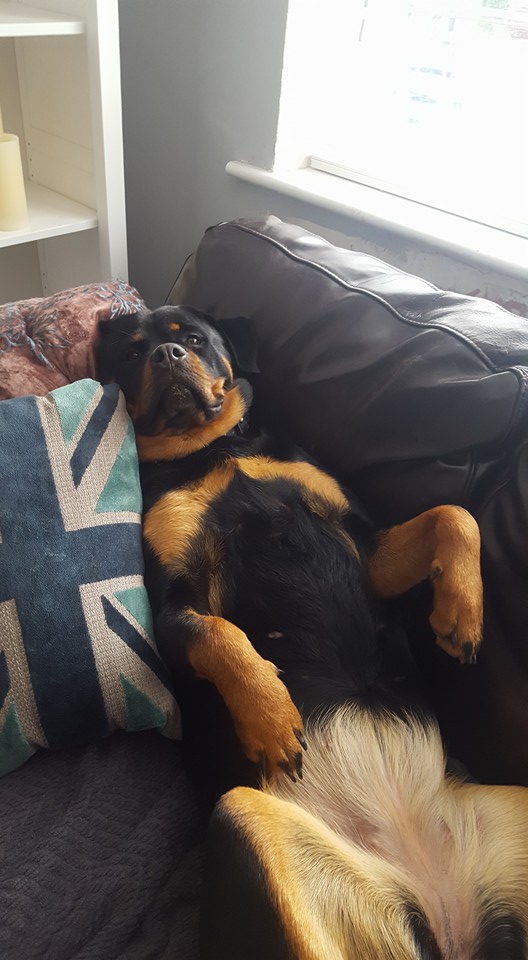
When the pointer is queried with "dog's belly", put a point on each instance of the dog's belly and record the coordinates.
(270, 554)
(296, 587)
(265, 536)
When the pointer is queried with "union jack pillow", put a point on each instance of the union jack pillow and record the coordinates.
(77, 656)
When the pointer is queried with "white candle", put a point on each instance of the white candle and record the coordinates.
(13, 205)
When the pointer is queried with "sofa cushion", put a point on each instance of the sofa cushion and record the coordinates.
(406, 391)
(48, 342)
(77, 658)
(102, 854)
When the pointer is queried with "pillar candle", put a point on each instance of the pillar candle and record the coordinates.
(13, 205)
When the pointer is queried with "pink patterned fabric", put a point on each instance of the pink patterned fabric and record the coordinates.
(50, 341)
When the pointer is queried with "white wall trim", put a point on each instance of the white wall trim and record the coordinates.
(475, 243)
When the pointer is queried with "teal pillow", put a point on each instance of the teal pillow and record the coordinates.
(77, 655)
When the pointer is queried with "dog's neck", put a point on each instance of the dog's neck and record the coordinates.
(170, 446)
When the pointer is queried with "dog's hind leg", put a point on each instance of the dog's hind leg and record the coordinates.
(441, 545)
(279, 884)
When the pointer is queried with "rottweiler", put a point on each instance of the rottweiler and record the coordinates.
(269, 587)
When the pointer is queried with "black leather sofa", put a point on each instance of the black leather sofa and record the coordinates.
(414, 397)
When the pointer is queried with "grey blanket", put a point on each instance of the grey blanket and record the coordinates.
(101, 852)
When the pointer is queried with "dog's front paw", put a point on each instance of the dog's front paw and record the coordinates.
(269, 725)
(458, 596)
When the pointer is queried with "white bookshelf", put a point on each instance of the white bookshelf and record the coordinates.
(50, 215)
(60, 91)
(21, 20)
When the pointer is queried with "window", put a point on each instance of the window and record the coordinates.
(427, 99)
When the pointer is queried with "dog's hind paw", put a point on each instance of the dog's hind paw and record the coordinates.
(465, 652)
(457, 585)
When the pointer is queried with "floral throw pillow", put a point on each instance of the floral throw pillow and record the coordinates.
(50, 341)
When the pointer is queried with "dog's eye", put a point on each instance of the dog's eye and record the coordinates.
(132, 354)
(194, 340)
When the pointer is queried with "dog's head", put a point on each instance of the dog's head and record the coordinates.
(177, 369)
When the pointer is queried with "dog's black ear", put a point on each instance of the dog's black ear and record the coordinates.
(104, 326)
(242, 342)
(127, 320)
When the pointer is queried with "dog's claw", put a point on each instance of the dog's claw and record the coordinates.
(469, 654)
(263, 765)
(298, 765)
(300, 737)
(285, 766)
(465, 653)
(293, 767)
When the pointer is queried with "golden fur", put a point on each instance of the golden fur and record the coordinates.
(376, 828)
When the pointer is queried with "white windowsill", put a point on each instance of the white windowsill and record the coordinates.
(484, 246)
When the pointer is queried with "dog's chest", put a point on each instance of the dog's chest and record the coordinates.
(180, 523)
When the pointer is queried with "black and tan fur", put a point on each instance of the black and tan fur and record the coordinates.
(268, 584)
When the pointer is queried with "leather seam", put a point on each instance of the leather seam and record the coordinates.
(379, 299)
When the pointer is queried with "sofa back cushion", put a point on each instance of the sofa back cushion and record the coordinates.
(407, 392)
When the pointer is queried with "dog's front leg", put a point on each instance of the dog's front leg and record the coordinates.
(267, 722)
(442, 545)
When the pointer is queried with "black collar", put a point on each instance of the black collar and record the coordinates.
(240, 428)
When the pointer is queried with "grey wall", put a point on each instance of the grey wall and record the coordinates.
(201, 86)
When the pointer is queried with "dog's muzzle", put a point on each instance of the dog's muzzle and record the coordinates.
(182, 386)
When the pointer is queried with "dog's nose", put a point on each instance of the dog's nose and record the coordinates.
(167, 352)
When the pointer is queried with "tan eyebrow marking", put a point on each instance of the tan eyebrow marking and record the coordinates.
(174, 326)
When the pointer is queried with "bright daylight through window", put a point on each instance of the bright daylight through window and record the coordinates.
(427, 99)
